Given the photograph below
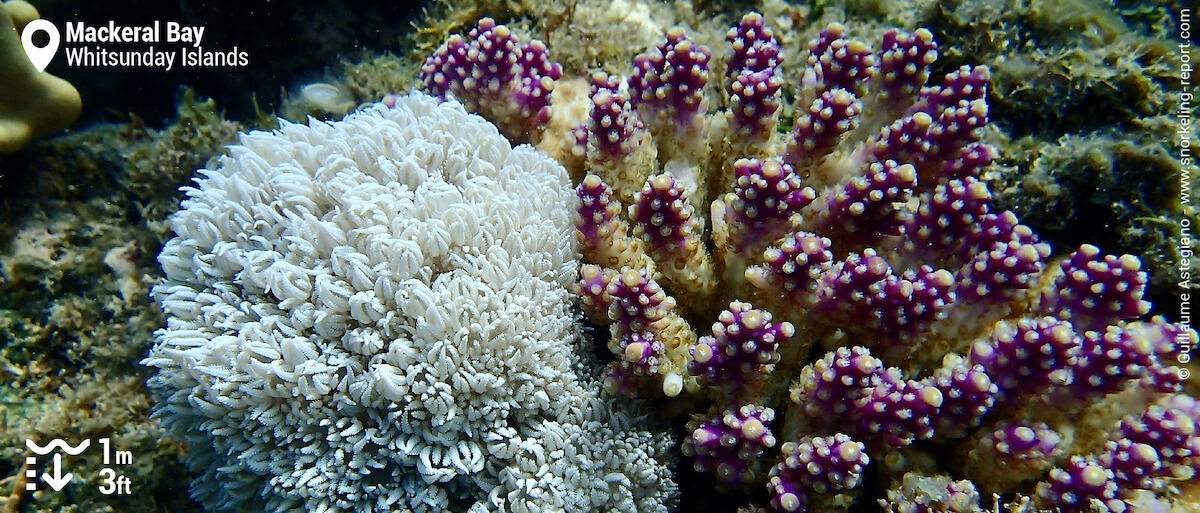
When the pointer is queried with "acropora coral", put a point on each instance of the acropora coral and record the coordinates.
(868, 294)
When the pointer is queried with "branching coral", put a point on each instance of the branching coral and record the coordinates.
(865, 231)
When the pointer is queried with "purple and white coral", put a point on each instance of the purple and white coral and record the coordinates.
(743, 345)
(867, 230)
(818, 465)
(494, 74)
(729, 444)
(667, 85)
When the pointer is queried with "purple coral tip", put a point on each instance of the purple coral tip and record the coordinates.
(730, 443)
(816, 465)
(744, 340)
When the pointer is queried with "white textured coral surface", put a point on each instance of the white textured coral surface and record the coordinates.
(372, 315)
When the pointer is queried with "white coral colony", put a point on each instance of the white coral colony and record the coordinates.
(373, 315)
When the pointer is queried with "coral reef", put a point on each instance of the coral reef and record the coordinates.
(866, 232)
(1068, 78)
(496, 75)
(373, 314)
(911, 254)
(603, 34)
(32, 103)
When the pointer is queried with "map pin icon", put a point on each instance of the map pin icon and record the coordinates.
(40, 57)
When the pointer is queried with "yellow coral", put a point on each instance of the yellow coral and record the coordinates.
(32, 103)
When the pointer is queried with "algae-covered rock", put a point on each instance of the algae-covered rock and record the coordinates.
(78, 241)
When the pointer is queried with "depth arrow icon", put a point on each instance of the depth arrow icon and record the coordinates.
(58, 480)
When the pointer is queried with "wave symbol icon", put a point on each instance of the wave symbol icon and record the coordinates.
(57, 443)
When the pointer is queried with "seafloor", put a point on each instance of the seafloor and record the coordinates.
(1084, 102)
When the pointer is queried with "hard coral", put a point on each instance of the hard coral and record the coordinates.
(867, 231)
(493, 73)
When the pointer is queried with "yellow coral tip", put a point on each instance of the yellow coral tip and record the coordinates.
(672, 385)
(634, 351)
(631, 278)
(931, 396)
(752, 428)
(849, 451)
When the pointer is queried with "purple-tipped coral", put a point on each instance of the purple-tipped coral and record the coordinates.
(744, 343)
(612, 125)
(898, 412)
(602, 233)
(1096, 290)
(637, 302)
(729, 444)
(904, 61)
(958, 107)
(753, 83)
(753, 105)
(837, 62)
(863, 291)
(1145, 453)
(967, 394)
(818, 131)
(1000, 274)
(1135, 465)
(944, 120)
(829, 388)
(1109, 360)
(766, 194)
(618, 146)
(814, 469)
(1028, 357)
(667, 87)
(868, 231)
(1009, 454)
(640, 353)
(497, 76)
(946, 215)
(865, 207)
(1028, 443)
(648, 337)
(792, 268)
(851, 391)
(593, 291)
(663, 217)
(1171, 431)
(597, 213)
(753, 47)
(1081, 484)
